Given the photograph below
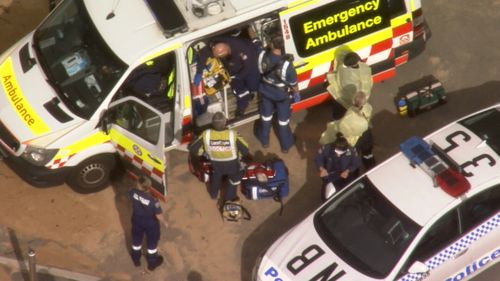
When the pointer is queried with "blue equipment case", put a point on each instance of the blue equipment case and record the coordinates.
(273, 185)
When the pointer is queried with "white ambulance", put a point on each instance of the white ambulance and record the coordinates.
(431, 212)
(66, 107)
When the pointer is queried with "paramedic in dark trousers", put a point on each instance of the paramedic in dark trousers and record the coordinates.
(146, 218)
(239, 57)
(278, 76)
(223, 147)
(338, 163)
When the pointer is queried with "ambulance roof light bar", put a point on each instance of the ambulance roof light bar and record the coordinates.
(421, 154)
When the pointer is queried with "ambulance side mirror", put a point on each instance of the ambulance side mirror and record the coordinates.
(418, 267)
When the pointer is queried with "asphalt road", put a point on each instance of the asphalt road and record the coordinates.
(463, 53)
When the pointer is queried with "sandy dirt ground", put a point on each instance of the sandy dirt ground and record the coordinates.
(90, 233)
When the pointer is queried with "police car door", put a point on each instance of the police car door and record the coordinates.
(462, 242)
(139, 132)
(313, 29)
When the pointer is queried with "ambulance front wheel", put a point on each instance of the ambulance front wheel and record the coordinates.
(92, 175)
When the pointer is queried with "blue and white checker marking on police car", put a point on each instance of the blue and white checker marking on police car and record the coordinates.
(456, 247)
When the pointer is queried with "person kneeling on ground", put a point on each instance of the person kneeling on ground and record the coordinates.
(338, 164)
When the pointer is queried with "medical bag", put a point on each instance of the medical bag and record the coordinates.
(266, 180)
(200, 167)
(426, 97)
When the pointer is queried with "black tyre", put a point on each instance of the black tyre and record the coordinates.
(92, 175)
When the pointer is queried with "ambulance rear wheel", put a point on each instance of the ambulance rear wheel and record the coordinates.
(92, 175)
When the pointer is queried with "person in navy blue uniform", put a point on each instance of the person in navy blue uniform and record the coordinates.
(239, 57)
(338, 163)
(146, 217)
(278, 76)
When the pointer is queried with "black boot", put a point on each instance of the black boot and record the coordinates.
(136, 257)
(154, 261)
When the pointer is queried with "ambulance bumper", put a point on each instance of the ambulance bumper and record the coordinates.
(35, 175)
(415, 48)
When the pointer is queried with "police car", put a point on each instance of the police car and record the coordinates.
(431, 212)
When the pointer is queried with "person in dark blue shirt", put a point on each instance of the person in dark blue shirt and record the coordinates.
(338, 163)
(146, 217)
(239, 57)
(278, 77)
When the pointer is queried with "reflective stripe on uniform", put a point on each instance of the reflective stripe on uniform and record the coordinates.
(283, 123)
(368, 156)
(245, 93)
(284, 67)
(235, 182)
(152, 251)
(207, 143)
(136, 248)
(266, 118)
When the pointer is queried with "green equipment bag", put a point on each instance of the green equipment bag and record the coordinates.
(424, 98)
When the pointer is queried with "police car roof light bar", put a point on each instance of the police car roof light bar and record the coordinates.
(420, 153)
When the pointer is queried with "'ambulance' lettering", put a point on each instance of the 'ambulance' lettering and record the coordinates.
(16, 98)
(309, 255)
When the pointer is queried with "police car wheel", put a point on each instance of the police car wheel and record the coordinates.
(91, 175)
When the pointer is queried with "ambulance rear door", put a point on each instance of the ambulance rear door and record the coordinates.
(140, 134)
(315, 30)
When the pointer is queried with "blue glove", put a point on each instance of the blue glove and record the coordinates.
(296, 97)
(197, 79)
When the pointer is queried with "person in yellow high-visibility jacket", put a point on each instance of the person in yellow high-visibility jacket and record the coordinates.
(224, 148)
(350, 75)
(355, 127)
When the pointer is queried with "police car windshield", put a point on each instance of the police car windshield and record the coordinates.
(485, 126)
(78, 63)
(365, 229)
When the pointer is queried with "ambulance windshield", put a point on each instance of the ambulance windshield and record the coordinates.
(78, 63)
(365, 229)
